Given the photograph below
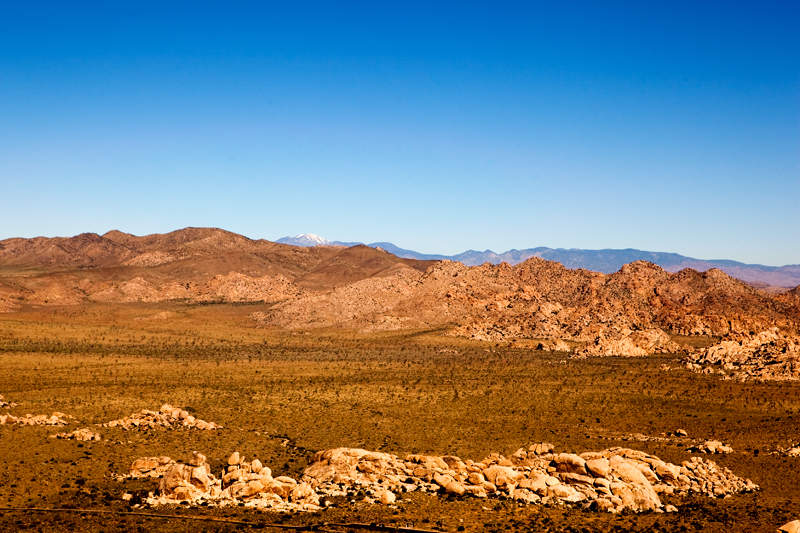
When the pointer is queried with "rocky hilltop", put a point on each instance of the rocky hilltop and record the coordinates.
(628, 312)
(541, 299)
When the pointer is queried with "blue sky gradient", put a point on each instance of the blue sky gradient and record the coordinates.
(439, 127)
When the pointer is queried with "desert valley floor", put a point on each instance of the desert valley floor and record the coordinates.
(281, 396)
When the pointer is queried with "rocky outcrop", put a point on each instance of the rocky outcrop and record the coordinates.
(240, 481)
(610, 480)
(84, 434)
(56, 419)
(150, 467)
(252, 481)
(767, 356)
(4, 403)
(711, 446)
(629, 343)
(167, 417)
(543, 300)
(792, 450)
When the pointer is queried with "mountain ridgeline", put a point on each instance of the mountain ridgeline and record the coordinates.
(370, 289)
(606, 261)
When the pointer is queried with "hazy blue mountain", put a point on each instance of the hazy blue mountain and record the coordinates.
(606, 261)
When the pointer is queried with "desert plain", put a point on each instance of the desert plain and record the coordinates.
(294, 351)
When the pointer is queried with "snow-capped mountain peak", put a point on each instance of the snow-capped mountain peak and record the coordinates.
(305, 239)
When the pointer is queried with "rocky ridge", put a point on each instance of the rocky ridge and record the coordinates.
(791, 451)
(539, 299)
(7, 306)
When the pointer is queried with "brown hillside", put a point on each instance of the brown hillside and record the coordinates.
(119, 267)
(542, 299)
(354, 264)
(116, 248)
(368, 289)
(87, 249)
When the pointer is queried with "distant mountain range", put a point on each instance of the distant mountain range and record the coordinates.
(605, 261)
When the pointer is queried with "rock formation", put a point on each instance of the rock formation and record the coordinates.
(629, 343)
(78, 434)
(711, 446)
(543, 300)
(766, 356)
(249, 482)
(150, 467)
(56, 419)
(167, 417)
(4, 403)
(791, 451)
(610, 480)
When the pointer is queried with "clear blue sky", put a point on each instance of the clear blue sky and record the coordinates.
(437, 126)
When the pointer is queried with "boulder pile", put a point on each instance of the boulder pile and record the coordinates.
(167, 417)
(791, 451)
(766, 356)
(56, 419)
(240, 481)
(253, 482)
(79, 434)
(629, 343)
(610, 480)
(4, 403)
(711, 446)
